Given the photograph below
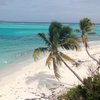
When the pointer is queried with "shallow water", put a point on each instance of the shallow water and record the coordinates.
(18, 40)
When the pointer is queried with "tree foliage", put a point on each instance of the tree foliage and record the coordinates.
(59, 36)
(80, 92)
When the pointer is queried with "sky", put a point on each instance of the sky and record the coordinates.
(49, 10)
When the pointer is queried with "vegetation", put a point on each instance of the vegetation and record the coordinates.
(90, 90)
(59, 36)
(80, 92)
(86, 26)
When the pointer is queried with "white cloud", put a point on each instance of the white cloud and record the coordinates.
(48, 10)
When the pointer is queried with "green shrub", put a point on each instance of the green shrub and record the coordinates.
(75, 93)
(91, 90)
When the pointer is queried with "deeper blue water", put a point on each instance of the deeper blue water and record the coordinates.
(18, 40)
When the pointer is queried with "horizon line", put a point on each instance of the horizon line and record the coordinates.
(39, 22)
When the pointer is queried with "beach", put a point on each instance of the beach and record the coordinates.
(35, 81)
(49, 50)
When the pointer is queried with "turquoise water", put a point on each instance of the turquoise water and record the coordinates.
(18, 40)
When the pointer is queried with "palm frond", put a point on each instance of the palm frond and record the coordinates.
(91, 33)
(54, 32)
(67, 58)
(44, 38)
(55, 38)
(77, 30)
(71, 43)
(89, 28)
(55, 25)
(56, 71)
(86, 24)
(38, 52)
(65, 32)
(49, 59)
(58, 60)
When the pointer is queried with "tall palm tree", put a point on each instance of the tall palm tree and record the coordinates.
(59, 36)
(86, 26)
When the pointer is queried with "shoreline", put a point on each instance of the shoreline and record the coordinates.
(35, 79)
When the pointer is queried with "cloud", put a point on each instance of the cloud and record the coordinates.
(48, 10)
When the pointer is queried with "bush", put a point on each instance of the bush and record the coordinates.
(91, 90)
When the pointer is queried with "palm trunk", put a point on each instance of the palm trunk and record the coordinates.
(89, 53)
(72, 71)
(91, 56)
(78, 77)
(94, 60)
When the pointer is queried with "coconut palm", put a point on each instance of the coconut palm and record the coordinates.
(86, 26)
(59, 36)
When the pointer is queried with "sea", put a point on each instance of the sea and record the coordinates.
(18, 40)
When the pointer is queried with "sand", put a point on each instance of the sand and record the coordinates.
(35, 81)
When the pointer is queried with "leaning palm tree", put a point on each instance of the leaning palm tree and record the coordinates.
(59, 36)
(86, 26)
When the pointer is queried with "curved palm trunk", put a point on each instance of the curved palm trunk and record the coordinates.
(91, 55)
(93, 59)
(78, 77)
(88, 51)
(72, 71)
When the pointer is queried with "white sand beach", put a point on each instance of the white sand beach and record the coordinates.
(35, 81)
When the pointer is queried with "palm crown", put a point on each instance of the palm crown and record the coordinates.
(86, 25)
(59, 36)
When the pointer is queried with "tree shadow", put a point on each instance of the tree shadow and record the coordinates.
(44, 80)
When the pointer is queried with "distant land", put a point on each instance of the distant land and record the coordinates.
(2, 21)
(32, 22)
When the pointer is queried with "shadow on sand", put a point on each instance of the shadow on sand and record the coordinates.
(44, 80)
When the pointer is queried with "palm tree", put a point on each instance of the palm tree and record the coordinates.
(86, 26)
(59, 36)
